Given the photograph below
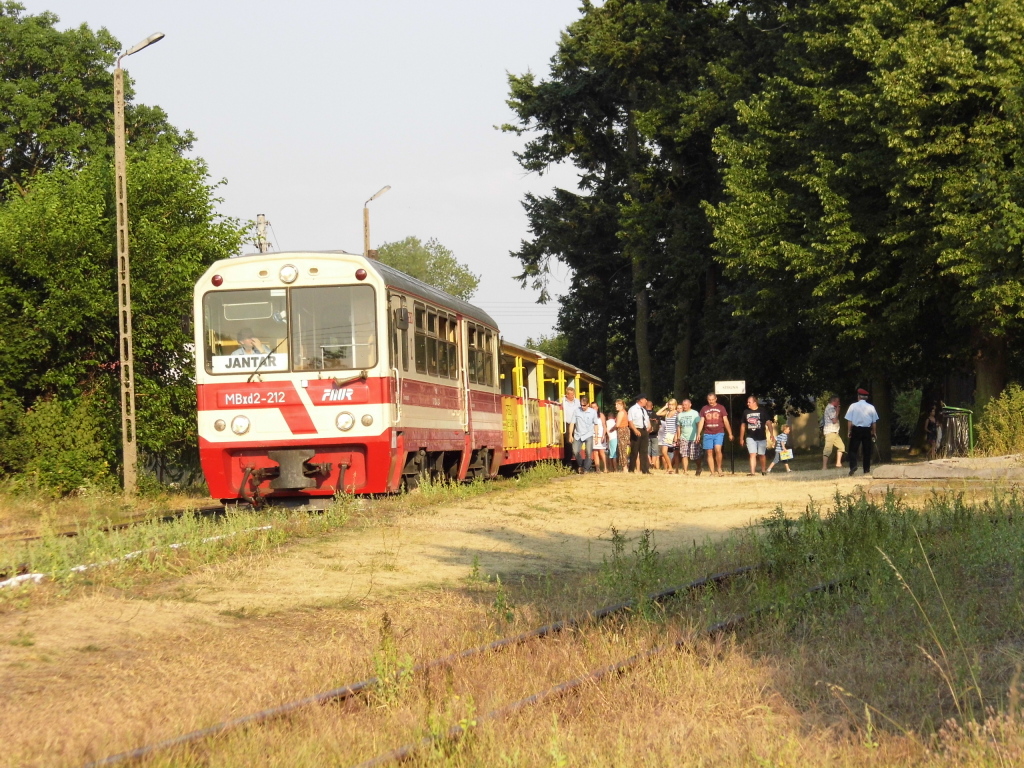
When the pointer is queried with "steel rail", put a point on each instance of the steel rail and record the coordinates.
(23, 568)
(165, 517)
(348, 691)
(408, 751)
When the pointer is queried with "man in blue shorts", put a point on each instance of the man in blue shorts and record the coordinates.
(714, 425)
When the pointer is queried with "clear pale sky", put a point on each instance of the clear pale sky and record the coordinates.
(308, 108)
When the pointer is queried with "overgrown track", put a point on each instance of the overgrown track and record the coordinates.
(364, 686)
(455, 732)
(166, 517)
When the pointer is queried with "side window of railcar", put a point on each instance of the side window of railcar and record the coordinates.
(480, 348)
(471, 350)
(421, 339)
(489, 359)
(334, 328)
(243, 330)
(435, 346)
(432, 343)
(447, 328)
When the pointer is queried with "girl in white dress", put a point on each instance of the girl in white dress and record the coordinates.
(613, 440)
(600, 441)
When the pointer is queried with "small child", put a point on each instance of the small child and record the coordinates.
(653, 449)
(781, 441)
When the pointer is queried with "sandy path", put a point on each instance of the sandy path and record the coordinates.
(564, 525)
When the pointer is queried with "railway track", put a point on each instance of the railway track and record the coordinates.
(365, 686)
(455, 732)
(165, 517)
(23, 568)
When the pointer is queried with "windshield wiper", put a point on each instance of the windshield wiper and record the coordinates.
(265, 358)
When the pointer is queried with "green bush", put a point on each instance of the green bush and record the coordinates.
(1001, 428)
(60, 444)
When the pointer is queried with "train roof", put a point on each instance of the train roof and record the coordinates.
(397, 279)
(402, 281)
(536, 353)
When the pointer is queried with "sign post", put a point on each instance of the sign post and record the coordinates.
(730, 388)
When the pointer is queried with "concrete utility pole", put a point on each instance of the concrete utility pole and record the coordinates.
(124, 288)
(261, 233)
(366, 220)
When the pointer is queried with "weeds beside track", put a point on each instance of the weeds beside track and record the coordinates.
(363, 686)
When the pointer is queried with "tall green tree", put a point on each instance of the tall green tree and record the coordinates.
(58, 355)
(58, 296)
(56, 97)
(872, 185)
(636, 91)
(432, 263)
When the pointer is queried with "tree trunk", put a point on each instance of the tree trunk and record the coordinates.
(990, 371)
(684, 345)
(638, 260)
(643, 346)
(881, 398)
(931, 395)
(710, 297)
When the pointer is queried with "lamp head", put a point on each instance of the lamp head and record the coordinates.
(379, 192)
(154, 38)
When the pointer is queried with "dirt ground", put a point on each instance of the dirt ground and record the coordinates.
(564, 526)
(71, 669)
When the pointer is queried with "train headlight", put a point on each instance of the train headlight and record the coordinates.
(345, 421)
(367, 420)
(288, 273)
(240, 425)
(220, 425)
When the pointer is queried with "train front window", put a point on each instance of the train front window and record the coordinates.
(334, 328)
(243, 330)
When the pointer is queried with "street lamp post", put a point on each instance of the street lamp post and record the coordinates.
(124, 292)
(366, 219)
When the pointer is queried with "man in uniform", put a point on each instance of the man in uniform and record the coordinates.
(639, 435)
(863, 420)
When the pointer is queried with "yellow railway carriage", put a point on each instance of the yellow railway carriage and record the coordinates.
(532, 388)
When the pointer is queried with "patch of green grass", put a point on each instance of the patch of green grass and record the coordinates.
(23, 639)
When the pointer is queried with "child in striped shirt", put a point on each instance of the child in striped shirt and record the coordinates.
(781, 441)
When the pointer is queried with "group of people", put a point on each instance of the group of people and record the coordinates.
(637, 438)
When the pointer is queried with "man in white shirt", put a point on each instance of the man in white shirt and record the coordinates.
(863, 420)
(581, 432)
(569, 407)
(639, 434)
(830, 428)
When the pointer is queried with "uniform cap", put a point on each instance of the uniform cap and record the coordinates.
(863, 392)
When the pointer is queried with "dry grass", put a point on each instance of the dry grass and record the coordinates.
(37, 514)
(119, 666)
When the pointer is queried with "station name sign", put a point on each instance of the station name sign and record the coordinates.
(730, 387)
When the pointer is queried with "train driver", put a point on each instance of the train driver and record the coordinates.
(248, 344)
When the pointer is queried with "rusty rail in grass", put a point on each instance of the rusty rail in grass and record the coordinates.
(348, 691)
(409, 751)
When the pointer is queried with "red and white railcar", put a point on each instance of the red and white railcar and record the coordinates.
(328, 372)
